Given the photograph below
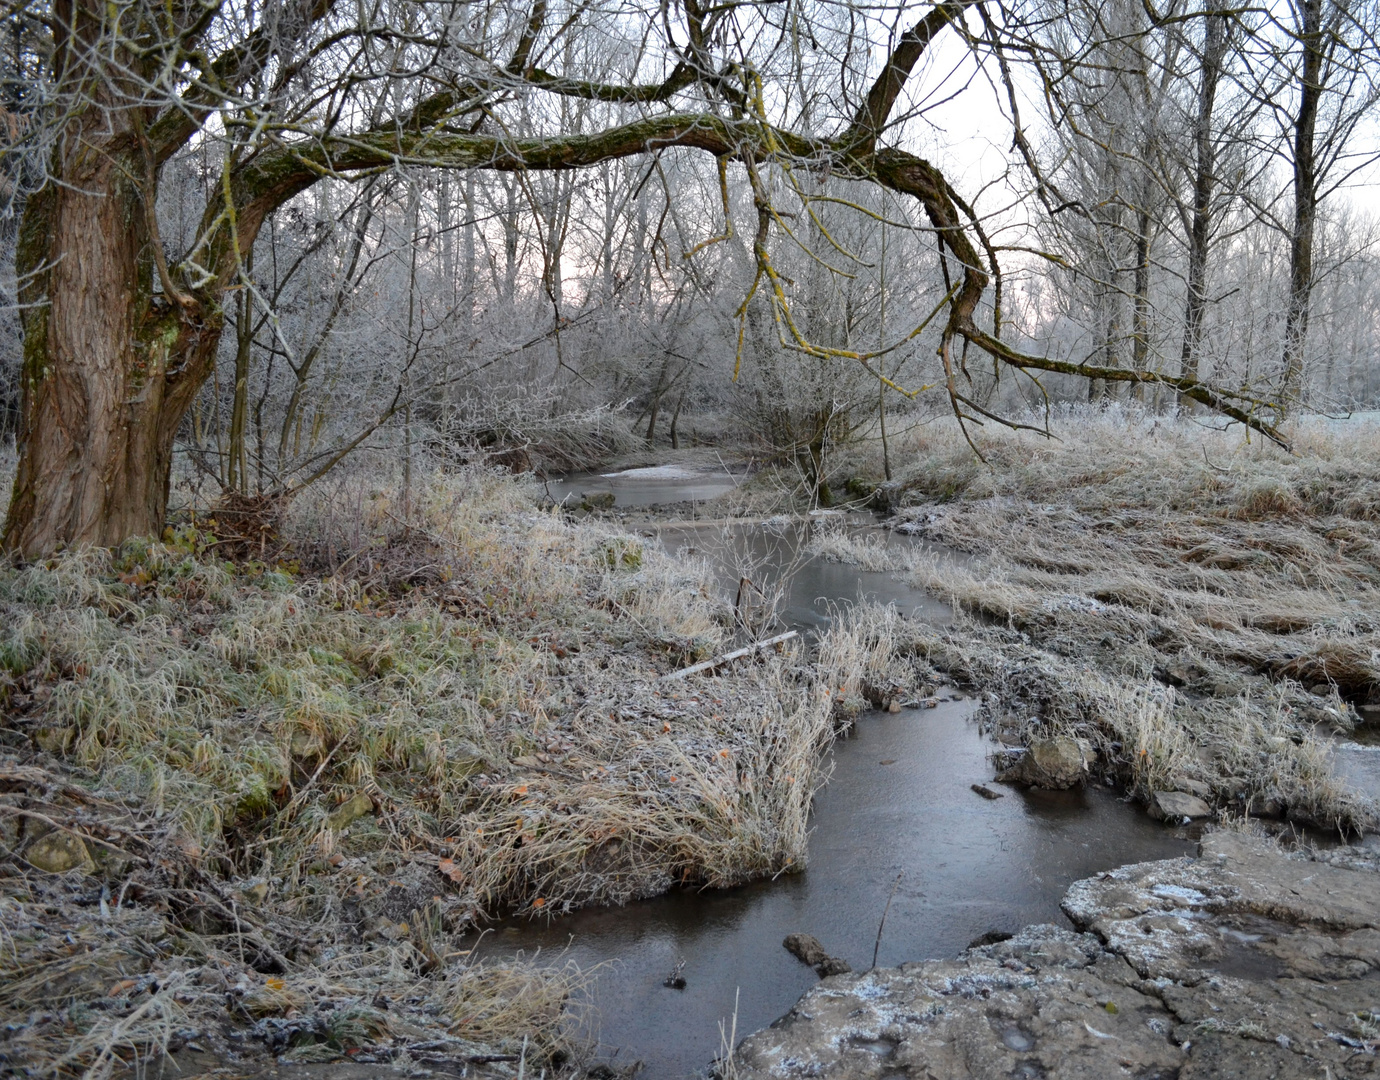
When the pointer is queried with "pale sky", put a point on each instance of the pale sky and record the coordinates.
(971, 135)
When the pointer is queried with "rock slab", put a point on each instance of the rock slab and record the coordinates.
(1247, 962)
(1177, 805)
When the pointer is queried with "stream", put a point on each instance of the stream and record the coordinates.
(899, 804)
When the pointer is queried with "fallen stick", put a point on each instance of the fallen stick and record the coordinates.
(736, 654)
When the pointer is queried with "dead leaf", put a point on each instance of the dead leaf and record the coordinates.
(448, 867)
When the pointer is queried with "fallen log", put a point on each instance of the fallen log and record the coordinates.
(736, 654)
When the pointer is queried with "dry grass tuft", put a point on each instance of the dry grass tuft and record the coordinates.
(865, 550)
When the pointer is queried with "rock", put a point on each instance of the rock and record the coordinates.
(55, 740)
(1369, 714)
(59, 851)
(305, 743)
(1266, 806)
(597, 500)
(351, 810)
(807, 949)
(989, 937)
(1244, 962)
(255, 893)
(1193, 787)
(1179, 673)
(1059, 762)
(1177, 805)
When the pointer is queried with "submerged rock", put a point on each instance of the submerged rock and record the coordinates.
(807, 949)
(1059, 762)
(1244, 962)
(597, 500)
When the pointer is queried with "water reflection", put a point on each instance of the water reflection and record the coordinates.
(652, 486)
(812, 585)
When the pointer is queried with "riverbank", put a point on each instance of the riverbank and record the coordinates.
(1247, 961)
(251, 806)
(1198, 609)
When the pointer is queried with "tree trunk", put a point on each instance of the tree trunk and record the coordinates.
(1140, 316)
(110, 366)
(1200, 232)
(238, 472)
(1305, 200)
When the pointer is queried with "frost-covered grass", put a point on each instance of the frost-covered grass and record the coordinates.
(403, 724)
(1203, 606)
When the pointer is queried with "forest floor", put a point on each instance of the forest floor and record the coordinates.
(1202, 610)
(259, 778)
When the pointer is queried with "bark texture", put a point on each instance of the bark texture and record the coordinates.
(1305, 198)
(110, 366)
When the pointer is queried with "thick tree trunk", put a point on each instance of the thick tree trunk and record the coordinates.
(110, 366)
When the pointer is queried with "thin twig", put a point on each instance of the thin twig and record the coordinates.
(877, 947)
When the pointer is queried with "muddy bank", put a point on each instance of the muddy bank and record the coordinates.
(1246, 961)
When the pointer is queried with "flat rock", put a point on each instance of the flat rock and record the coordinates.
(1246, 962)
(1176, 805)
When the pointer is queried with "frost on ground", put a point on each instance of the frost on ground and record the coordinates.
(1201, 608)
(251, 806)
(1247, 961)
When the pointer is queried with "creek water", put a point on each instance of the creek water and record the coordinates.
(649, 486)
(899, 804)
(771, 556)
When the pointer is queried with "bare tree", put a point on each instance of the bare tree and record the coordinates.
(1333, 68)
(120, 333)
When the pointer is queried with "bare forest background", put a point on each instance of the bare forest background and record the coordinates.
(1175, 185)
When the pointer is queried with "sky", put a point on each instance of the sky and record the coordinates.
(969, 137)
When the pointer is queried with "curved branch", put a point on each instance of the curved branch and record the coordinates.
(872, 115)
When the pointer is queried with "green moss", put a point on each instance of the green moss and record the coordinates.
(622, 554)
